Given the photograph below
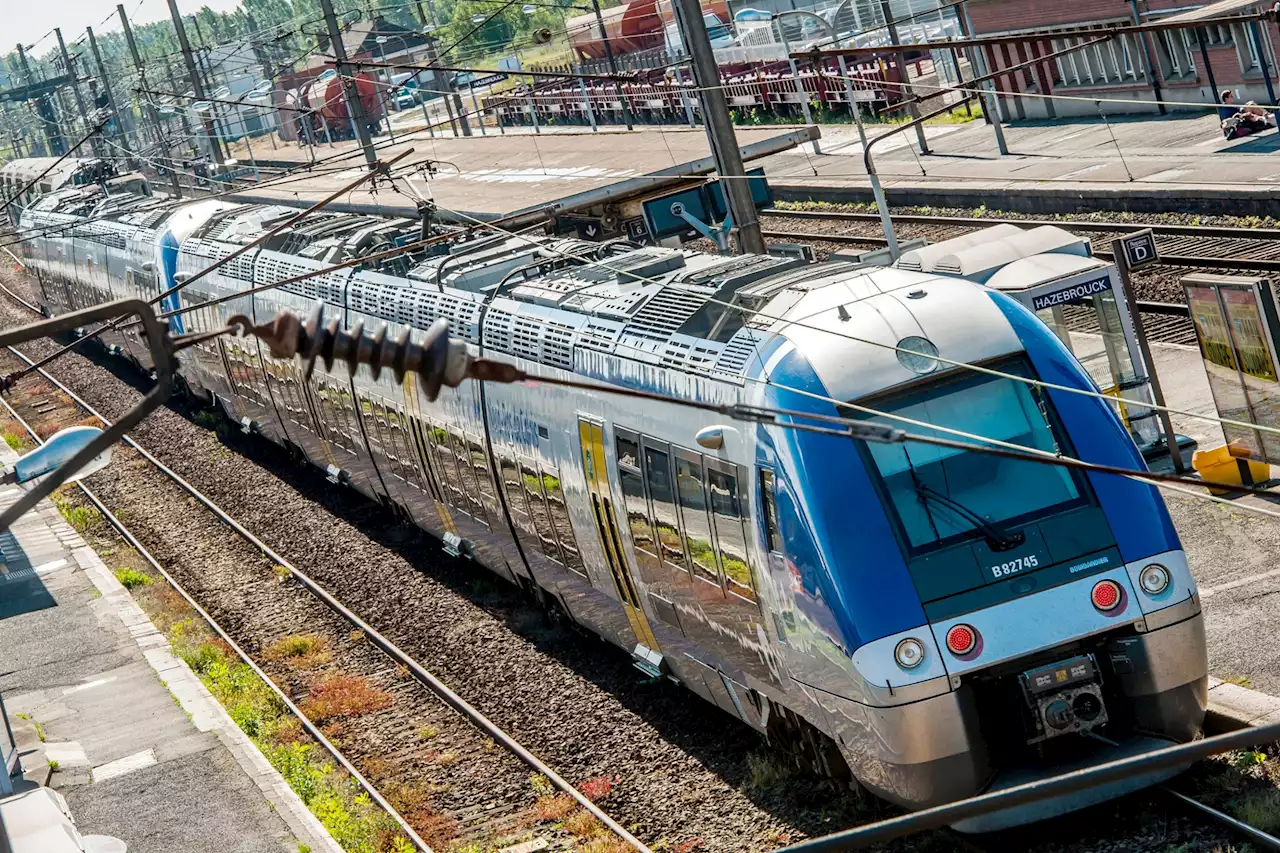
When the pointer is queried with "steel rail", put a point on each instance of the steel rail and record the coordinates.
(1263, 839)
(439, 688)
(310, 727)
(1187, 261)
(1160, 229)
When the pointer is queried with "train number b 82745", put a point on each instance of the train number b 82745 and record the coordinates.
(1017, 564)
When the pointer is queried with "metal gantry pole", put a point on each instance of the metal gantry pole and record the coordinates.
(715, 113)
(354, 108)
(900, 58)
(52, 132)
(75, 85)
(990, 104)
(193, 73)
(613, 63)
(106, 88)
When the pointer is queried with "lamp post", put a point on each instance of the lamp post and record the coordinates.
(382, 58)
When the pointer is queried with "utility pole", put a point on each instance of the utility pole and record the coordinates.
(900, 59)
(715, 112)
(194, 73)
(106, 88)
(156, 128)
(75, 88)
(188, 133)
(613, 63)
(215, 108)
(44, 112)
(355, 110)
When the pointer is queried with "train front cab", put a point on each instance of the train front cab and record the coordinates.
(875, 558)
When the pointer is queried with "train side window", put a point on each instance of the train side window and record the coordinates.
(693, 509)
(769, 503)
(446, 467)
(657, 467)
(561, 524)
(532, 481)
(632, 479)
(467, 472)
(517, 502)
(727, 512)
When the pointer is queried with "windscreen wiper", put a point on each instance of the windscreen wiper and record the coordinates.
(997, 537)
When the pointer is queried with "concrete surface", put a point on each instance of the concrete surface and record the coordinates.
(1135, 163)
(144, 752)
(492, 176)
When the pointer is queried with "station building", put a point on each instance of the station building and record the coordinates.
(1129, 72)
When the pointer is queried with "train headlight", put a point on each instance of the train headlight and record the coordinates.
(909, 653)
(917, 354)
(1154, 579)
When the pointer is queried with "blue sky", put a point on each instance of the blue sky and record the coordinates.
(29, 21)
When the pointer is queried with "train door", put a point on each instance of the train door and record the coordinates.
(606, 520)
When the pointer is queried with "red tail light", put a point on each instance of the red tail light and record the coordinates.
(962, 639)
(1106, 595)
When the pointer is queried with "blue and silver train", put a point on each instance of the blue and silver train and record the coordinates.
(937, 622)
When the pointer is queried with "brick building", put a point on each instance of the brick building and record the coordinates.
(1133, 69)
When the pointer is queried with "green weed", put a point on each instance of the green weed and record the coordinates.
(54, 765)
(130, 578)
(16, 441)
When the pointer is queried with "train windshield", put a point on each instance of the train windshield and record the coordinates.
(978, 495)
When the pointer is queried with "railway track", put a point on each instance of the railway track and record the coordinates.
(478, 815)
(1188, 246)
(501, 810)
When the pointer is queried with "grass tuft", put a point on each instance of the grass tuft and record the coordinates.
(554, 807)
(1260, 809)
(340, 695)
(768, 771)
(54, 765)
(301, 651)
(131, 578)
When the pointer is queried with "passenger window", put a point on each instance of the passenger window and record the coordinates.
(517, 503)
(538, 509)
(480, 466)
(562, 526)
(657, 467)
(469, 487)
(697, 526)
(447, 467)
(633, 492)
(729, 516)
(769, 503)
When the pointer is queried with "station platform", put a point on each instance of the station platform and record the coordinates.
(1134, 163)
(488, 177)
(105, 714)
(1230, 550)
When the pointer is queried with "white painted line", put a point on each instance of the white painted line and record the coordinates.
(1083, 171)
(1168, 174)
(70, 753)
(121, 766)
(88, 685)
(50, 566)
(1235, 584)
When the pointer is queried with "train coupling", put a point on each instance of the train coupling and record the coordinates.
(1064, 698)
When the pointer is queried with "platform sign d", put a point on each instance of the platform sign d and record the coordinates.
(1139, 248)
